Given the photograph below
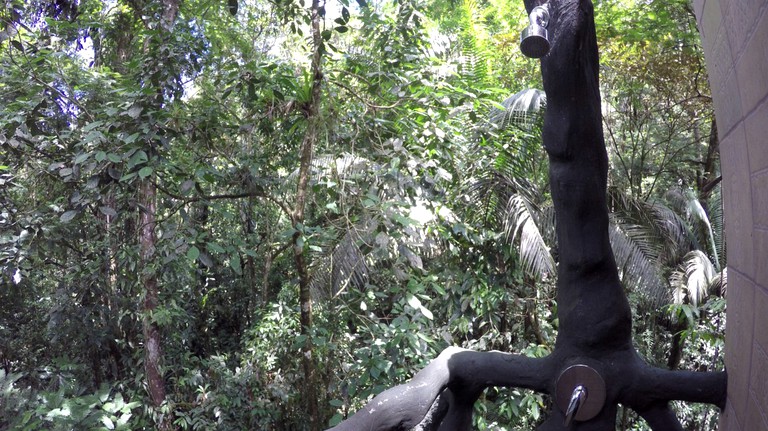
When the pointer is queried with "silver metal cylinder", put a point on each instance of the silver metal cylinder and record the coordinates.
(534, 42)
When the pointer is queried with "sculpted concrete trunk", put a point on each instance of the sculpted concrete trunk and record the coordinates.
(594, 365)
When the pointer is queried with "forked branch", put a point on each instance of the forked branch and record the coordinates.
(457, 376)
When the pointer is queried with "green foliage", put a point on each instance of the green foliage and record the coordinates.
(428, 220)
(63, 408)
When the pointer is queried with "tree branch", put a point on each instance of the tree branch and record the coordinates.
(658, 384)
(243, 195)
(457, 374)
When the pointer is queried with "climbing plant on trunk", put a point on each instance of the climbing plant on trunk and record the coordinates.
(311, 110)
(157, 79)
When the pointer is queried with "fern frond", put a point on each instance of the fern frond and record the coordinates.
(474, 61)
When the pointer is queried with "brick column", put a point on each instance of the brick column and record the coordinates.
(734, 35)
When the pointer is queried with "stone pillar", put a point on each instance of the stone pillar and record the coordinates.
(734, 35)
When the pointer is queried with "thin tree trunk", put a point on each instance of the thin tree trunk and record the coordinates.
(249, 273)
(147, 202)
(710, 178)
(147, 244)
(265, 277)
(305, 162)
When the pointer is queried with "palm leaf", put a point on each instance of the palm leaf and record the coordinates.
(508, 203)
(668, 237)
(719, 284)
(715, 211)
(493, 190)
(339, 166)
(345, 261)
(686, 202)
(693, 278)
(520, 110)
(636, 249)
(520, 225)
(345, 266)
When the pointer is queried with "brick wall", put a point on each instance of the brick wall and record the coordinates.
(734, 34)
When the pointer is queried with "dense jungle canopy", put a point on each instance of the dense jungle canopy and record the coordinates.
(260, 214)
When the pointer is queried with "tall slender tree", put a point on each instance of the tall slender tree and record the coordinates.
(158, 77)
(313, 129)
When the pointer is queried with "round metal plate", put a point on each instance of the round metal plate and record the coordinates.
(586, 376)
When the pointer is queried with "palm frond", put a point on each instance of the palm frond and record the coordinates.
(715, 211)
(669, 237)
(545, 220)
(332, 165)
(685, 201)
(493, 190)
(719, 284)
(636, 249)
(508, 203)
(401, 231)
(344, 266)
(693, 278)
(521, 109)
(520, 224)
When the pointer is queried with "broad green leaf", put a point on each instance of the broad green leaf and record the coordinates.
(68, 215)
(131, 138)
(426, 313)
(134, 111)
(413, 301)
(345, 14)
(138, 158)
(107, 422)
(128, 177)
(193, 253)
(206, 260)
(234, 263)
(92, 125)
(81, 158)
(145, 172)
(214, 247)
(108, 211)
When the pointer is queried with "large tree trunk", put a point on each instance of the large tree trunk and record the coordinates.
(590, 294)
(595, 318)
